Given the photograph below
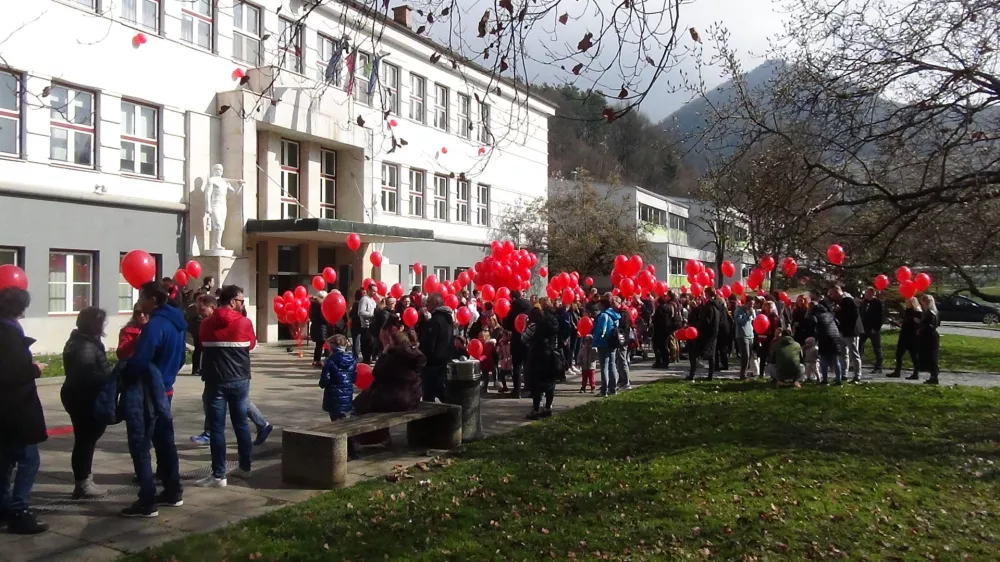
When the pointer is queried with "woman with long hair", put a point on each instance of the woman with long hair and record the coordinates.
(907, 342)
(87, 372)
(928, 339)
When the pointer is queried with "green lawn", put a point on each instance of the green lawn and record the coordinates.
(54, 363)
(958, 353)
(676, 471)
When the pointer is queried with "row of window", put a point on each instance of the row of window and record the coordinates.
(198, 28)
(442, 272)
(660, 217)
(73, 118)
(441, 193)
(72, 279)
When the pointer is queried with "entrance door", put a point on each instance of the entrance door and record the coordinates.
(290, 275)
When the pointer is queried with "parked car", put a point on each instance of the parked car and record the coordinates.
(956, 308)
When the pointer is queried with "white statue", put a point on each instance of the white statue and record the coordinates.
(217, 189)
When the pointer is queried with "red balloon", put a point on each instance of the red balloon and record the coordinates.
(431, 284)
(396, 290)
(725, 291)
(444, 150)
(645, 279)
(728, 269)
(552, 292)
(501, 307)
(13, 276)
(835, 254)
(302, 314)
(684, 289)
(651, 269)
(287, 296)
(634, 264)
(489, 293)
(691, 333)
(661, 288)
(334, 307)
(502, 293)
(704, 279)
(761, 323)
(620, 262)
(278, 304)
(784, 297)
(711, 273)
(319, 283)
(363, 376)
(767, 263)
(680, 335)
(903, 274)
(543, 272)
(691, 267)
(881, 282)
(410, 317)
(589, 281)
(138, 268)
(585, 326)
(464, 317)
(922, 282)
(738, 288)
(180, 278)
(463, 279)
(451, 301)
(329, 275)
(193, 269)
(789, 267)
(633, 313)
(354, 241)
(627, 287)
(567, 296)
(496, 247)
(508, 247)
(475, 348)
(520, 322)
(418, 268)
(696, 289)
(300, 292)
(381, 288)
(376, 259)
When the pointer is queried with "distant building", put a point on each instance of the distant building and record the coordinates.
(700, 236)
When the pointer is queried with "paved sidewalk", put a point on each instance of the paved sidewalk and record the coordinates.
(285, 389)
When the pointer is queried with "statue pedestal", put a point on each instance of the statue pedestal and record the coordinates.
(217, 253)
(227, 270)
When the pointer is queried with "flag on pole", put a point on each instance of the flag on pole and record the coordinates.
(333, 68)
(373, 77)
(351, 63)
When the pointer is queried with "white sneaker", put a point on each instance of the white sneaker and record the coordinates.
(239, 473)
(211, 482)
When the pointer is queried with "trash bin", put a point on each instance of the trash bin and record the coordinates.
(463, 390)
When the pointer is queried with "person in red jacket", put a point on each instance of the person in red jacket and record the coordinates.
(129, 334)
(227, 337)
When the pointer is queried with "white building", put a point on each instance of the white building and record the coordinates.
(702, 226)
(113, 112)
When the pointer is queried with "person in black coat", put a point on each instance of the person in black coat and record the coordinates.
(928, 340)
(705, 318)
(518, 305)
(724, 341)
(437, 335)
(318, 328)
(849, 319)
(22, 421)
(661, 324)
(87, 373)
(907, 341)
(828, 341)
(541, 336)
(872, 319)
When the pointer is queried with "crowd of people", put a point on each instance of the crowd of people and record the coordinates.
(408, 344)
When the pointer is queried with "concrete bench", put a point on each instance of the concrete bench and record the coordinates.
(317, 456)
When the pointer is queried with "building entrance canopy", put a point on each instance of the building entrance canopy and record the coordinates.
(333, 230)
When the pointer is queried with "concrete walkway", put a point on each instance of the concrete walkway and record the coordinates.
(285, 389)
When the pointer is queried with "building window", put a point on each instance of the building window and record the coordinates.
(390, 188)
(325, 51)
(418, 98)
(464, 116)
(290, 45)
(10, 256)
(483, 206)
(140, 134)
(144, 13)
(127, 296)
(462, 201)
(441, 107)
(246, 38)
(72, 126)
(362, 73)
(328, 187)
(677, 266)
(678, 222)
(652, 215)
(198, 23)
(441, 273)
(441, 198)
(10, 114)
(71, 281)
(485, 136)
(417, 185)
(390, 84)
(417, 279)
(289, 179)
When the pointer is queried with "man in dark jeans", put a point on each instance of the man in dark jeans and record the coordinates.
(227, 337)
(872, 319)
(437, 344)
(518, 350)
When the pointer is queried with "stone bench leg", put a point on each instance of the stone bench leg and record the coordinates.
(443, 431)
(314, 460)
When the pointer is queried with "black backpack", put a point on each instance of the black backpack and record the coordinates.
(615, 338)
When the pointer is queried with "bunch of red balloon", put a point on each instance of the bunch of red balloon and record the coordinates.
(789, 266)
(909, 284)
(699, 277)
(506, 267)
(630, 278)
(192, 270)
(292, 307)
(564, 287)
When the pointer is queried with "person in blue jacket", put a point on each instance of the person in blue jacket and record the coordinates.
(147, 379)
(606, 342)
(337, 382)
